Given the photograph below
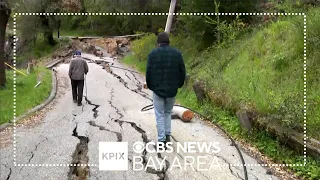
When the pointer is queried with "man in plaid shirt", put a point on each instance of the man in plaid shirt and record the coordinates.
(165, 74)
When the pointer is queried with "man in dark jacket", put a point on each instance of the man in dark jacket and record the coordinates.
(165, 74)
(78, 68)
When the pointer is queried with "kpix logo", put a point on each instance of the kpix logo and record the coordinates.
(113, 156)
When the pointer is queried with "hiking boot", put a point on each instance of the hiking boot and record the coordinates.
(167, 138)
(79, 104)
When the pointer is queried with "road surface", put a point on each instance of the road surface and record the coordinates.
(68, 135)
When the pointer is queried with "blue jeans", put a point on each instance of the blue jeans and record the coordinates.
(163, 108)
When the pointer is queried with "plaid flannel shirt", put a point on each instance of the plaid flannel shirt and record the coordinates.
(165, 71)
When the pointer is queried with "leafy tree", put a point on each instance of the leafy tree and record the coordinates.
(118, 25)
(44, 24)
(199, 27)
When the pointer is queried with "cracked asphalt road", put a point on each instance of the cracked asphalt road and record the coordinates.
(111, 112)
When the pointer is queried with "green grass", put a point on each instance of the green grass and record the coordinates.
(132, 61)
(27, 96)
(263, 69)
(64, 32)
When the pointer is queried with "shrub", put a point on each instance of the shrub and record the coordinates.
(143, 46)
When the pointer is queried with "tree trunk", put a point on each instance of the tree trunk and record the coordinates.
(83, 7)
(4, 17)
(8, 49)
(48, 33)
(49, 37)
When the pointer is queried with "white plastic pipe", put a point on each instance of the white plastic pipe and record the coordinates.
(184, 114)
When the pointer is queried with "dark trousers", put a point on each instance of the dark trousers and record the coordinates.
(77, 90)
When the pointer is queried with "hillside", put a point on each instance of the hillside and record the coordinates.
(260, 71)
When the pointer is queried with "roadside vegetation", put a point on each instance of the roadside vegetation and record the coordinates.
(36, 50)
(27, 96)
(260, 68)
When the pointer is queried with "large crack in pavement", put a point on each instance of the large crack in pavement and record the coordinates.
(10, 172)
(127, 76)
(96, 106)
(138, 90)
(79, 169)
(135, 77)
(114, 107)
(119, 135)
(137, 128)
(9, 175)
